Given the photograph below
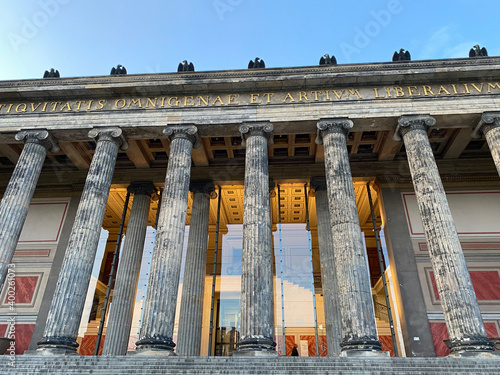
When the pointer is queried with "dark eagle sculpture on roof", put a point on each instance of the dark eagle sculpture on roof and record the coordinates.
(476, 51)
(52, 74)
(120, 69)
(258, 63)
(402, 55)
(327, 60)
(184, 66)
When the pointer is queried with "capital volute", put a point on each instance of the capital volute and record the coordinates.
(109, 134)
(184, 131)
(38, 136)
(142, 188)
(263, 129)
(326, 126)
(408, 123)
(489, 120)
(203, 187)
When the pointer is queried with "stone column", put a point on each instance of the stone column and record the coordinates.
(127, 277)
(17, 197)
(257, 307)
(328, 274)
(458, 300)
(490, 127)
(65, 311)
(191, 313)
(159, 310)
(355, 297)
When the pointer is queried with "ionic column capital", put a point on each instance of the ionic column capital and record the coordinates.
(263, 129)
(332, 125)
(203, 187)
(318, 183)
(38, 136)
(142, 188)
(111, 134)
(489, 120)
(408, 123)
(187, 131)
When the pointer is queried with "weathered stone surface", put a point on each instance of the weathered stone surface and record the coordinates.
(65, 312)
(355, 298)
(490, 127)
(17, 197)
(122, 306)
(458, 300)
(159, 310)
(191, 312)
(257, 307)
(328, 273)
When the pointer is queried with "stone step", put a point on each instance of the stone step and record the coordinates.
(130, 365)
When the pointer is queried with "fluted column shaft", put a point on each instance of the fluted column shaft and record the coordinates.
(66, 310)
(257, 307)
(17, 197)
(458, 299)
(159, 310)
(191, 313)
(490, 127)
(127, 276)
(328, 273)
(355, 298)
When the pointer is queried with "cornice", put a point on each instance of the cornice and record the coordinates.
(140, 83)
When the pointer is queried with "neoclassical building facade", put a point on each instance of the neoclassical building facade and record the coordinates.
(351, 210)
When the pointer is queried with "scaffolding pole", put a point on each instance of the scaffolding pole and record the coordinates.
(382, 269)
(312, 272)
(214, 271)
(111, 275)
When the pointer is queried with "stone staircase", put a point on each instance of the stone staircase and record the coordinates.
(130, 365)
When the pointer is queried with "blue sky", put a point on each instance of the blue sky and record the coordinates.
(87, 38)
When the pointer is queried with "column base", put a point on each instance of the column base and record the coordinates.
(155, 347)
(56, 346)
(255, 347)
(255, 353)
(364, 353)
(474, 354)
(470, 347)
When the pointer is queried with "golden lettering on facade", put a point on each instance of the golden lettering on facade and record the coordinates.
(354, 92)
(411, 92)
(337, 94)
(491, 85)
(268, 95)
(21, 107)
(188, 101)
(377, 96)
(203, 99)
(442, 89)
(231, 99)
(238, 99)
(136, 102)
(78, 104)
(253, 98)
(288, 96)
(65, 106)
(151, 102)
(303, 96)
(176, 101)
(120, 103)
